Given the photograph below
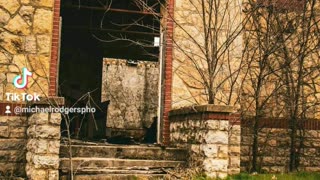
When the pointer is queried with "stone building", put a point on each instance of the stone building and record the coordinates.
(140, 64)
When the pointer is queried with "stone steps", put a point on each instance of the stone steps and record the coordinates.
(117, 177)
(97, 162)
(120, 171)
(118, 163)
(125, 152)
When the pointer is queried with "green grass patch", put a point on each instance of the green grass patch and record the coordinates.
(293, 176)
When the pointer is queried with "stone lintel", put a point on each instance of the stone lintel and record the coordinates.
(209, 108)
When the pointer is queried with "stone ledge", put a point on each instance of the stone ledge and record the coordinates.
(203, 108)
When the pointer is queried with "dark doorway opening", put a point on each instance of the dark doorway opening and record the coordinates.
(93, 30)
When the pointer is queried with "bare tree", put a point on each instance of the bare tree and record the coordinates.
(299, 69)
(284, 40)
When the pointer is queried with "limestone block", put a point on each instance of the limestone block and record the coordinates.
(310, 151)
(232, 171)
(45, 3)
(35, 174)
(267, 160)
(277, 169)
(312, 133)
(234, 162)
(14, 120)
(216, 137)
(30, 45)
(12, 6)
(26, 12)
(37, 146)
(41, 86)
(223, 151)
(272, 142)
(20, 61)
(13, 68)
(18, 26)
(18, 132)
(210, 150)
(224, 125)
(234, 139)
(282, 160)
(42, 21)
(215, 165)
(54, 147)
(4, 17)
(55, 118)
(235, 129)
(2, 78)
(234, 150)
(46, 161)
(4, 131)
(44, 44)
(12, 156)
(38, 118)
(212, 124)
(316, 144)
(53, 175)
(44, 131)
(25, 1)
(12, 43)
(12, 144)
(195, 149)
(40, 65)
(3, 69)
(4, 58)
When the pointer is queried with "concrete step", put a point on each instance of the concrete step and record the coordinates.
(117, 164)
(117, 177)
(119, 171)
(125, 152)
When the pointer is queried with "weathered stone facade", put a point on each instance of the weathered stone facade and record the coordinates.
(190, 57)
(30, 143)
(274, 150)
(25, 41)
(13, 145)
(43, 146)
(133, 95)
(211, 135)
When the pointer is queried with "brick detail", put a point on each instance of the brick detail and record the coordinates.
(54, 50)
(168, 73)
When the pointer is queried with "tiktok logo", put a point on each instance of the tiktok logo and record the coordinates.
(21, 81)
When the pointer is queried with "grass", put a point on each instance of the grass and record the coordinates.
(294, 176)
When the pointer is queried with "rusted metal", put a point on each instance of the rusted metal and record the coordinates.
(113, 10)
(111, 30)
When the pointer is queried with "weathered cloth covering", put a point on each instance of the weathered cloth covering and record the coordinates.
(133, 95)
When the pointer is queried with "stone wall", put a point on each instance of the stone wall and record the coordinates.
(274, 147)
(30, 143)
(211, 135)
(12, 145)
(133, 94)
(25, 41)
(43, 146)
(190, 61)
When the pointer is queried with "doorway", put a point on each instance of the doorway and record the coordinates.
(92, 31)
